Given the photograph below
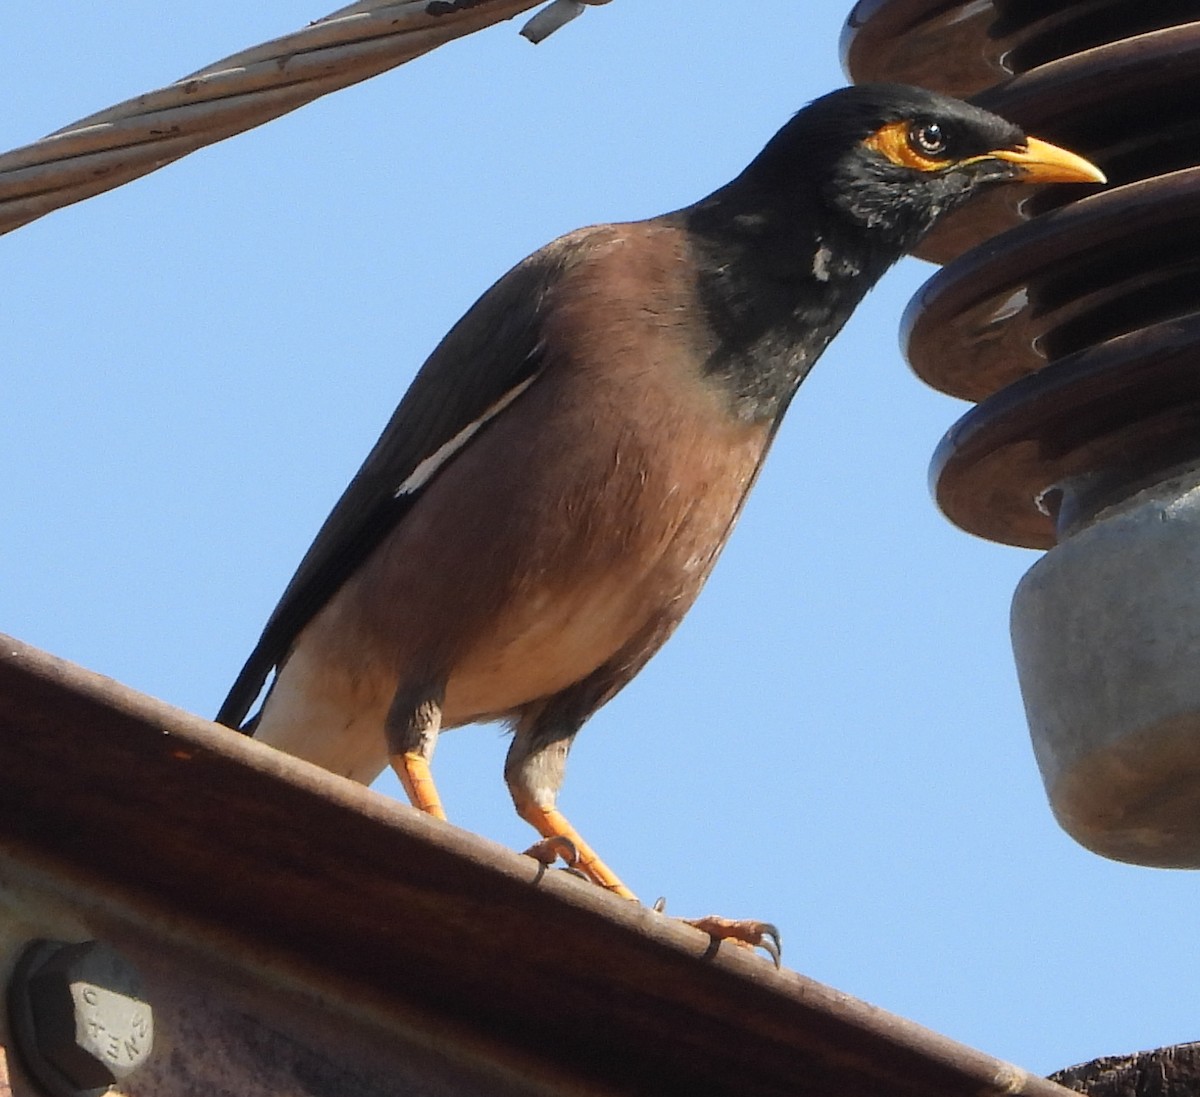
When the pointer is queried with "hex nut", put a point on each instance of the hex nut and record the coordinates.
(79, 1018)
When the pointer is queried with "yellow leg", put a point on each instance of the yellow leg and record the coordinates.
(412, 768)
(552, 825)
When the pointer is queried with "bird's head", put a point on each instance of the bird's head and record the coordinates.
(893, 159)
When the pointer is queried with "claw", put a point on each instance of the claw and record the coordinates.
(771, 942)
(744, 932)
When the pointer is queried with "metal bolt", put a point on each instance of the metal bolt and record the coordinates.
(79, 1021)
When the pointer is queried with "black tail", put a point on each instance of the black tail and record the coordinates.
(244, 693)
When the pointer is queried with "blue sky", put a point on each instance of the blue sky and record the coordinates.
(196, 363)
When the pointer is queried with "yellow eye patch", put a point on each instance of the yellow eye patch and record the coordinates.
(893, 142)
(1036, 161)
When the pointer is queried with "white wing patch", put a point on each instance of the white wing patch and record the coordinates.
(422, 474)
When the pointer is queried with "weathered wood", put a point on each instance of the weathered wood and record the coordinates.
(1164, 1072)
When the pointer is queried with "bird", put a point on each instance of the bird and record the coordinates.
(554, 488)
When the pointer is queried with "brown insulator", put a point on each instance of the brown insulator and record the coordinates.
(1077, 332)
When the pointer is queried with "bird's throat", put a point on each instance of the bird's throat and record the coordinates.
(773, 296)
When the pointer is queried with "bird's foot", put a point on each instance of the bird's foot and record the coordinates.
(560, 839)
(549, 850)
(744, 932)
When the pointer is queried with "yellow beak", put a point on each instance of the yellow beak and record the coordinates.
(1042, 162)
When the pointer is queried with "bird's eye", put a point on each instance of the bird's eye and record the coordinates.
(927, 139)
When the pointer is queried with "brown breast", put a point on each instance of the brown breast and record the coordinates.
(631, 473)
(588, 513)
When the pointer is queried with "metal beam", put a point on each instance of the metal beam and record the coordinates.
(192, 845)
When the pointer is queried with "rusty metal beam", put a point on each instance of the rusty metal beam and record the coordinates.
(147, 815)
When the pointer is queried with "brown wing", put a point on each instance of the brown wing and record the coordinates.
(490, 355)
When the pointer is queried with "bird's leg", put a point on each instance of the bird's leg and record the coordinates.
(534, 772)
(412, 732)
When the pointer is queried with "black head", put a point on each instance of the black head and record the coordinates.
(892, 159)
(851, 183)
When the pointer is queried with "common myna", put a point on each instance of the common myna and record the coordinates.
(554, 488)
